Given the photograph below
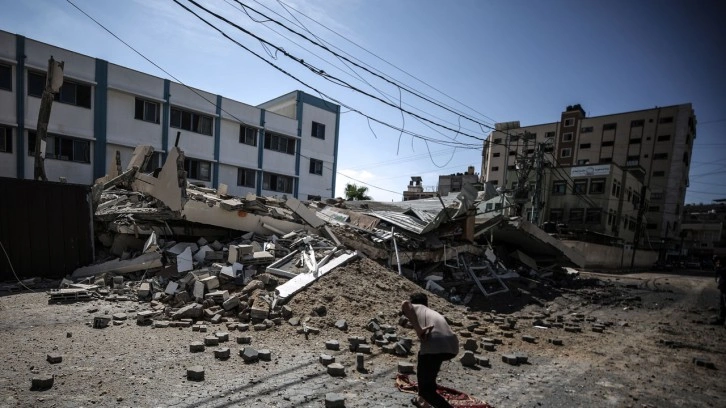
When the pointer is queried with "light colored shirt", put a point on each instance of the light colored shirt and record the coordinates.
(441, 339)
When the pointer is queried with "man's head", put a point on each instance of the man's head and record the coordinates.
(419, 298)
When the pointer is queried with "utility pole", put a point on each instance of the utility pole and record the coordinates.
(638, 224)
(53, 83)
(537, 195)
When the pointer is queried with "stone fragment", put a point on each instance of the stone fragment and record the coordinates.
(294, 321)
(556, 342)
(470, 345)
(41, 382)
(360, 362)
(120, 316)
(286, 312)
(468, 359)
(192, 311)
(260, 327)
(488, 346)
(522, 358)
(336, 370)
(195, 373)
(264, 354)
(404, 367)
(529, 339)
(597, 329)
(389, 348)
(510, 359)
(244, 340)
(196, 347)
(332, 345)
(482, 361)
(231, 303)
(54, 358)
(326, 359)
(334, 400)
(211, 341)
(249, 355)
(222, 353)
(341, 325)
(100, 322)
(161, 324)
(364, 348)
(704, 362)
(222, 336)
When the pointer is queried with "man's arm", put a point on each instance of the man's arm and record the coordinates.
(410, 313)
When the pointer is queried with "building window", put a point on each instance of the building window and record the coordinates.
(198, 169)
(606, 160)
(659, 174)
(637, 123)
(609, 126)
(246, 177)
(559, 187)
(567, 137)
(566, 152)
(277, 182)
(497, 154)
(146, 110)
(247, 135)
(153, 163)
(494, 182)
(62, 148)
(512, 152)
(6, 139)
(318, 130)
(576, 215)
(513, 138)
(6, 77)
(495, 168)
(615, 191)
(634, 141)
(593, 216)
(660, 156)
(667, 119)
(597, 186)
(279, 143)
(611, 217)
(71, 92)
(579, 187)
(569, 122)
(191, 121)
(316, 167)
(632, 160)
(582, 162)
(497, 140)
(557, 215)
(586, 129)
(549, 134)
(656, 196)
(584, 145)
(608, 143)
(512, 167)
(549, 148)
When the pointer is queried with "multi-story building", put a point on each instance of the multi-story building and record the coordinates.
(703, 234)
(416, 191)
(654, 145)
(285, 146)
(453, 183)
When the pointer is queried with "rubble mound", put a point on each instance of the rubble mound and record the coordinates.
(359, 291)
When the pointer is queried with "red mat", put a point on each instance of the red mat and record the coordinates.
(454, 397)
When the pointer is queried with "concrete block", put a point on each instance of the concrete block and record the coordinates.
(161, 324)
(293, 321)
(341, 325)
(404, 367)
(471, 345)
(100, 322)
(210, 283)
(555, 342)
(211, 341)
(42, 382)
(195, 373)
(334, 400)
(286, 311)
(222, 353)
(230, 303)
(198, 291)
(510, 359)
(336, 370)
(260, 327)
(468, 359)
(704, 362)
(196, 347)
(144, 290)
(364, 348)
(465, 334)
(249, 355)
(326, 359)
(54, 358)
(332, 345)
(243, 327)
(222, 336)
(264, 354)
(482, 361)
(529, 339)
(216, 319)
(389, 348)
(360, 362)
(522, 358)
(598, 329)
(244, 340)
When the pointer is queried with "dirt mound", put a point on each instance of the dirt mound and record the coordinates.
(359, 291)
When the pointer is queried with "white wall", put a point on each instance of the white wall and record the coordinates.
(320, 149)
(232, 151)
(123, 129)
(280, 124)
(78, 173)
(609, 257)
(8, 160)
(228, 176)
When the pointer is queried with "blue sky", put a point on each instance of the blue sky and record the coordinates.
(490, 60)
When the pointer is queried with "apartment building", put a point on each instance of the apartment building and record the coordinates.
(654, 146)
(287, 146)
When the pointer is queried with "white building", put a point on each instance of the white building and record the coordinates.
(288, 145)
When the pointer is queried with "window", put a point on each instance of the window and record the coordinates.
(530, 151)
(6, 139)
(549, 148)
(559, 187)
(593, 216)
(6, 77)
(567, 137)
(576, 215)
(597, 186)
(579, 187)
(659, 174)
(191, 121)
(566, 152)
(582, 162)
(146, 110)
(513, 138)
(316, 167)
(318, 130)
(656, 196)
(495, 168)
(497, 154)
(667, 119)
(606, 160)
(569, 122)
(664, 138)
(71, 92)
(584, 145)
(609, 126)
(632, 161)
(549, 134)
(198, 169)
(246, 177)
(247, 135)
(636, 140)
(494, 182)
(153, 163)
(660, 156)
(512, 152)
(279, 143)
(62, 148)
(557, 215)
(637, 123)
(498, 140)
(512, 167)
(277, 182)
(611, 217)
(586, 129)
(608, 143)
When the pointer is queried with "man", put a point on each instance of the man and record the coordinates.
(721, 279)
(438, 344)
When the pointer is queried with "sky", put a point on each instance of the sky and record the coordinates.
(459, 65)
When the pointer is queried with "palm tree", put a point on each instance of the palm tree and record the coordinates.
(355, 193)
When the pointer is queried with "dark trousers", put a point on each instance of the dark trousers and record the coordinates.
(426, 372)
(722, 306)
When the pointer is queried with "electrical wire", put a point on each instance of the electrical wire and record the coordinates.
(13, 269)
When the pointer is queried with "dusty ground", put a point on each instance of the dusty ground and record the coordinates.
(656, 325)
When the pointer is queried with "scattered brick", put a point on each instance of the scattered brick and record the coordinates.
(195, 373)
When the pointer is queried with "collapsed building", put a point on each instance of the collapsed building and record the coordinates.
(206, 254)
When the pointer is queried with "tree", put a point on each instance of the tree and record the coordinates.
(355, 193)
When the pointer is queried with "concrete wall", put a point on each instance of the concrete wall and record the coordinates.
(614, 258)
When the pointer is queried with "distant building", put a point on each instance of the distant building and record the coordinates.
(416, 191)
(453, 183)
(654, 145)
(703, 234)
(288, 145)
